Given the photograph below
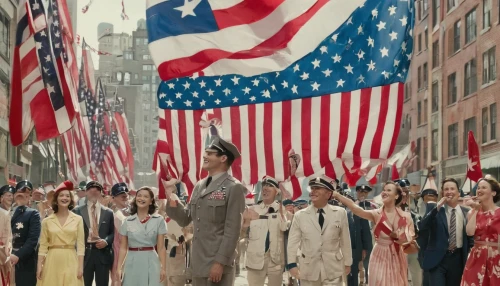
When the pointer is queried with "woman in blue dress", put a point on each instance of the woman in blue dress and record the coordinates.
(141, 232)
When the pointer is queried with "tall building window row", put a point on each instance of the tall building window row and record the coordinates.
(469, 125)
(471, 27)
(470, 77)
(4, 35)
(452, 88)
(489, 66)
(453, 140)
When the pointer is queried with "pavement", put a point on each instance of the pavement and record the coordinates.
(241, 280)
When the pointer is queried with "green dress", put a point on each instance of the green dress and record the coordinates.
(142, 267)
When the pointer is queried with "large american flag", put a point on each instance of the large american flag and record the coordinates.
(43, 94)
(319, 79)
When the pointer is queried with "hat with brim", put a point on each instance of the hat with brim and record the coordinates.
(270, 181)
(287, 202)
(64, 186)
(403, 183)
(429, 192)
(300, 202)
(7, 189)
(326, 183)
(82, 186)
(364, 188)
(39, 191)
(24, 185)
(222, 146)
(118, 189)
(93, 184)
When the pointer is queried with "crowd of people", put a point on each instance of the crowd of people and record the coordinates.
(81, 235)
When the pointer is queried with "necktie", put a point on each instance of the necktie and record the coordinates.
(453, 230)
(209, 180)
(94, 221)
(321, 218)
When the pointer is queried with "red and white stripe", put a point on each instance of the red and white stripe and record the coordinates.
(125, 148)
(334, 134)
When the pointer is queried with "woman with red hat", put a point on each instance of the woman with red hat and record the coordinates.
(59, 262)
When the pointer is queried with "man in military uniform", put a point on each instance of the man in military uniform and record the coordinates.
(80, 192)
(25, 224)
(266, 223)
(216, 209)
(362, 195)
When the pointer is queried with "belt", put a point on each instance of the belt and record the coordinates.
(451, 251)
(149, 248)
(62, 247)
(90, 246)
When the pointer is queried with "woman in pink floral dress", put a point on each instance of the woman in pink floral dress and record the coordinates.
(483, 265)
(394, 228)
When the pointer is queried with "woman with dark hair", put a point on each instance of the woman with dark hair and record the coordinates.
(59, 263)
(393, 229)
(141, 232)
(482, 267)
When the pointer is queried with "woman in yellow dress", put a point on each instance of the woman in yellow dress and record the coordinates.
(59, 263)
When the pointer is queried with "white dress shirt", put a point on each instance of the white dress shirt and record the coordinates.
(459, 215)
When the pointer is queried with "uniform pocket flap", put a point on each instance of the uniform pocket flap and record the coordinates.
(339, 255)
(216, 203)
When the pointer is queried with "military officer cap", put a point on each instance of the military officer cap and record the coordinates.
(82, 186)
(325, 182)
(364, 188)
(403, 183)
(300, 202)
(222, 146)
(287, 202)
(119, 189)
(429, 192)
(7, 189)
(23, 185)
(270, 181)
(93, 184)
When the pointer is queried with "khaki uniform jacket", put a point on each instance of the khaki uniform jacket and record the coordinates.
(325, 252)
(276, 225)
(217, 218)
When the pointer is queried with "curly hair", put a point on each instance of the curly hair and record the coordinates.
(495, 187)
(54, 204)
(152, 208)
(399, 190)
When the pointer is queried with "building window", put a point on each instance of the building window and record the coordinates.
(419, 42)
(451, 4)
(128, 56)
(493, 121)
(471, 28)
(425, 75)
(436, 7)
(419, 78)
(407, 91)
(489, 66)
(146, 57)
(435, 96)
(419, 150)
(469, 125)
(455, 36)
(470, 78)
(138, 41)
(453, 140)
(435, 145)
(136, 76)
(424, 117)
(435, 54)
(426, 39)
(145, 87)
(484, 129)
(452, 88)
(425, 6)
(486, 14)
(4, 35)
(419, 113)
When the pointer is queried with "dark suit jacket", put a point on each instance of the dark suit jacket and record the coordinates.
(423, 235)
(361, 237)
(437, 225)
(106, 232)
(26, 227)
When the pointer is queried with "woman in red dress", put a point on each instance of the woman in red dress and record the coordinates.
(483, 265)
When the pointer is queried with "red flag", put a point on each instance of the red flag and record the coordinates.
(474, 171)
(395, 173)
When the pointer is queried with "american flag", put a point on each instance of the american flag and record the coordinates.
(123, 142)
(326, 82)
(42, 93)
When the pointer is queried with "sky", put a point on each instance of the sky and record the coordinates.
(107, 11)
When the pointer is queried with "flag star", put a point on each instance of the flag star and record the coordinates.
(255, 82)
(227, 91)
(381, 26)
(392, 10)
(404, 46)
(195, 94)
(186, 85)
(294, 89)
(42, 33)
(393, 35)
(217, 101)
(47, 58)
(38, 45)
(360, 30)
(385, 74)
(296, 68)
(349, 21)
(400, 75)
(235, 100)
(273, 87)
(404, 21)
(315, 63)
(340, 82)
(202, 103)
(349, 68)
(56, 23)
(277, 74)
(396, 63)
(335, 37)
(252, 98)
(315, 86)
(371, 66)
(337, 58)
(46, 70)
(361, 78)
(35, 6)
(266, 93)
(304, 76)
(218, 82)
(178, 95)
(188, 103)
(371, 42)
(246, 90)
(188, 8)
(210, 92)
(50, 89)
(57, 34)
(324, 50)
(374, 14)
(235, 80)
(409, 56)
(202, 84)
(171, 85)
(384, 51)
(162, 95)
(361, 55)
(194, 76)
(327, 72)
(284, 84)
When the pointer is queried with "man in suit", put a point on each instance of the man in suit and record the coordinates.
(99, 234)
(322, 233)
(448, 244)
(429, 197)
(362, 195)
(25, 224)
(216, 208)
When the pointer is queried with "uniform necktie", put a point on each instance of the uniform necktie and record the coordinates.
(453, 230)
(321, 218)
(209, 180)
(94, 221)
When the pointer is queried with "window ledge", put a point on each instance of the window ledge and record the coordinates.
(485, 30)
(458, 51)
(488, 84)
(491, 142)
(451, 105)
(407, 99)
(470, 43)
(422, 125)
(451, 10)
(452, 157)
(469, 95)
